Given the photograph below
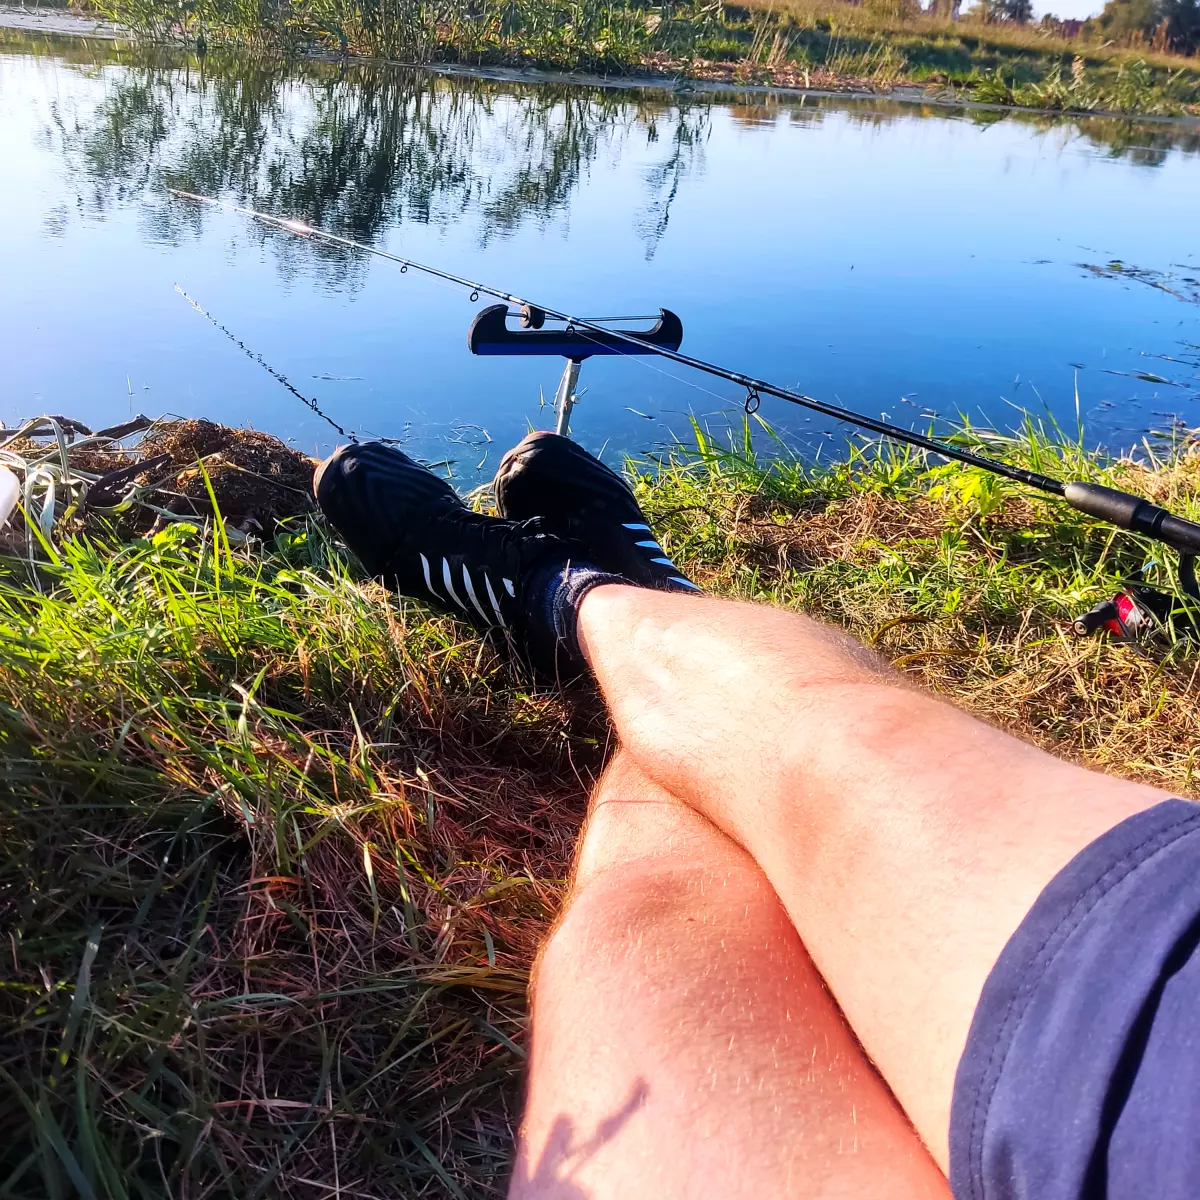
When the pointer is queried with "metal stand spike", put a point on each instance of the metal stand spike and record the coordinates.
(564, 400)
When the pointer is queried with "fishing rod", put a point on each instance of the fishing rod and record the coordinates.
(584, 336)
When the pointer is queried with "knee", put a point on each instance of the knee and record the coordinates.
(650, 924)
(651, 876)
(633, 825)
(615, 918)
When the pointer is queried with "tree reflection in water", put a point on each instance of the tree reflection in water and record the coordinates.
(360, 147)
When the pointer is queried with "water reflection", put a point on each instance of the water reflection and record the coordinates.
(1143, 143)
(898, 258)
(359, 148)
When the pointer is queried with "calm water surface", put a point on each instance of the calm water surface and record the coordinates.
(903, 261)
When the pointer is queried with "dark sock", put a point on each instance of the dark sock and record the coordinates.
(556, 592)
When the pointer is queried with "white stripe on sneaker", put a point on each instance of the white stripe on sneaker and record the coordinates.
(471, 593)
(487, 583)
(450, 585)
(428, 582)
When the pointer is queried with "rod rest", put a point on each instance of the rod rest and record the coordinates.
(490, 334)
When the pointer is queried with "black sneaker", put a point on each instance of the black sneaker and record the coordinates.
(583, 502)
(410, 527)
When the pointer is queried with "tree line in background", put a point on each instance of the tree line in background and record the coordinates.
(1165, 26)
(1160, 24)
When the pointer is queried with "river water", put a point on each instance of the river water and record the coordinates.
(918, 262)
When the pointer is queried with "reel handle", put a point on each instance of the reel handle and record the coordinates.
(1134, 513)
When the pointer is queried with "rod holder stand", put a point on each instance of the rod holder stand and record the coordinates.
(565, 398)
(489, 334)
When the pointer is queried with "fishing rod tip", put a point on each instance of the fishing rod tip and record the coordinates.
(294, 226)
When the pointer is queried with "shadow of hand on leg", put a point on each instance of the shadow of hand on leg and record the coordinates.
(551, 1177)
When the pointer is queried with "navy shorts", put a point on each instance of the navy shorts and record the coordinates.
(1081, 1075)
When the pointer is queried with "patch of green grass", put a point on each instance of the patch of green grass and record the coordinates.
(1135, 88)
(276, 854)
(278, 848)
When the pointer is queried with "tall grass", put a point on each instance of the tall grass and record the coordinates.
(277, 849)
(1135, 88)
(568, 33)
(811, 43)
(276, 854)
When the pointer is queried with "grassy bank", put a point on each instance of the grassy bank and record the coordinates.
(822, 44)
(277, 848)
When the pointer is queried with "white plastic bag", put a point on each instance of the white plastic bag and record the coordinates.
(10, 489)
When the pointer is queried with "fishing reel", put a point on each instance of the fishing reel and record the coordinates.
(1139, 611)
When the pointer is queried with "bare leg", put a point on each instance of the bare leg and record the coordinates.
(683, 1043)
(905, 839)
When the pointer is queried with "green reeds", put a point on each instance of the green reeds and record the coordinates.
(817, 43)
(564, 33)
(1135, 88)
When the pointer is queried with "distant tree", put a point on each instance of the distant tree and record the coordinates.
(1068, 28)
(992, 12)
(1127, 21)
(1018, 11)
(1164, 24)
(1182, 19)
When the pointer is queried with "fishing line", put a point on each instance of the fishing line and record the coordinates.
(266, 366)
(747, 406)
(649, 366)
(633, 317)
(640, 360)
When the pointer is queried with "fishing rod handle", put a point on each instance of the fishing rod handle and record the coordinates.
(1134, 513)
